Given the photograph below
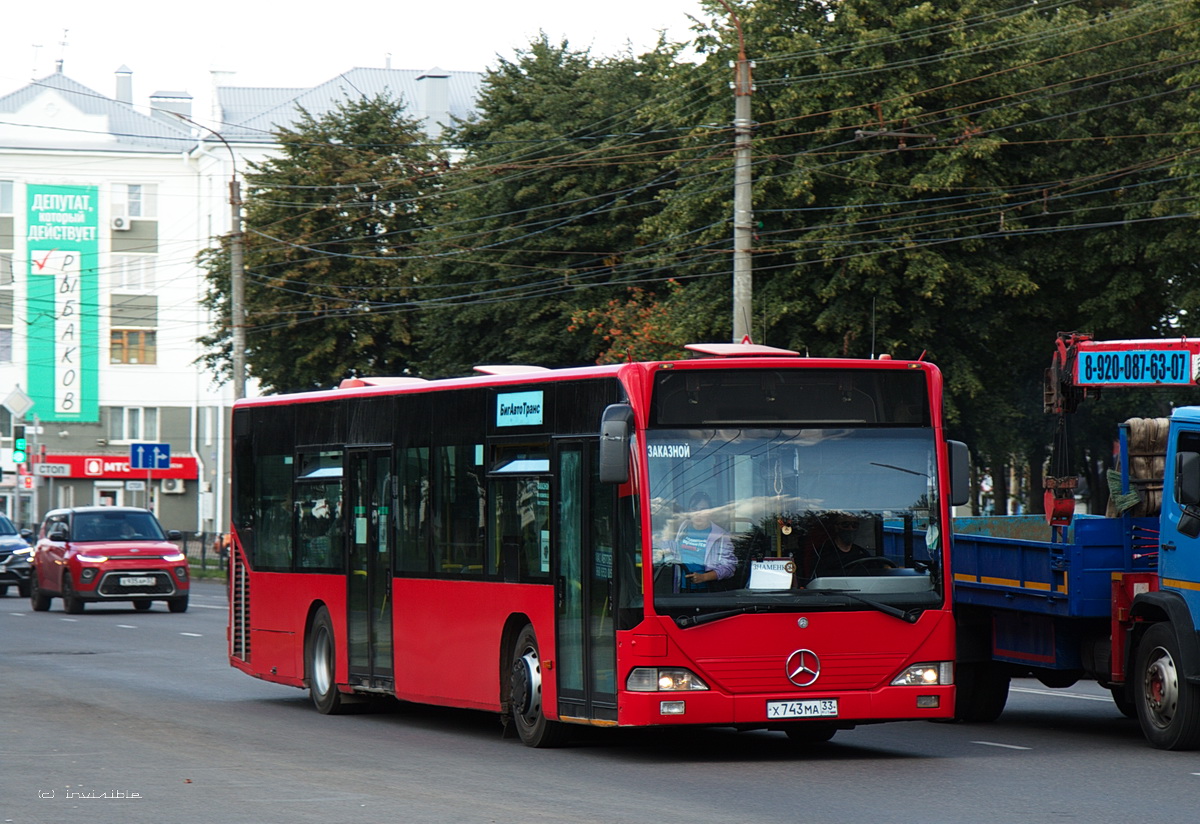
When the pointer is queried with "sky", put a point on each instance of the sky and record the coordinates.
(176, 46)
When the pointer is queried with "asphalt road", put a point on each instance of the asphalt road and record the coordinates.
(102, 707)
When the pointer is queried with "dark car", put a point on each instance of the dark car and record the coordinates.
(14, 557)
(107, 553)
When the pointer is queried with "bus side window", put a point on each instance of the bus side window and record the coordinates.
(415, 510)
(459, 502)
(521, 528)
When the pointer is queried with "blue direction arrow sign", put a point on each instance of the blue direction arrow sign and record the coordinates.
(150, 456)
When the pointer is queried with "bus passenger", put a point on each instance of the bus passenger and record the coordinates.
(701, 546)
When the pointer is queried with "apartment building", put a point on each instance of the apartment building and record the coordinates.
(104, 206)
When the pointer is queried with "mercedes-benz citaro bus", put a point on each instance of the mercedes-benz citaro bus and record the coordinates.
(745, 538)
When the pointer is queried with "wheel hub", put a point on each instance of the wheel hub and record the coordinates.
(527, 686)
(1162, 687)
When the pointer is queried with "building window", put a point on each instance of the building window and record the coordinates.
(132, 423)
(135, 199)
(133, 273)
(6, 197)
(6, 269)
(133, 319)
(133, 346)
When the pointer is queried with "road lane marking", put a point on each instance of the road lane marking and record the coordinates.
(1063, 694)
(69, 620)
(207, 606)
(1002, 746)
(192, 634)
(126, 626)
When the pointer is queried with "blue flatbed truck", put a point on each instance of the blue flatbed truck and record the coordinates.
(1110, 599)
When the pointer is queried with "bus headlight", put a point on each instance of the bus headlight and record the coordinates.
(663, 679)
(926, 675)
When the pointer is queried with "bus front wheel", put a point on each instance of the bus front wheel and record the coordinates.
(320, 655)
(525, 696)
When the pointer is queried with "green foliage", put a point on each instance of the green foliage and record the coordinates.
(957, 180)
(558, 172)
(328, 227)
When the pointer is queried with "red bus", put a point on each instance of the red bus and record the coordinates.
(737, 538)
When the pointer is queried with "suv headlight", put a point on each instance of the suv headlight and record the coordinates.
(663, 679)
(174, 557)
(926, 675)
(92, 559)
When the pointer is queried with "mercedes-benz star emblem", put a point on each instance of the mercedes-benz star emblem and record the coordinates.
(803, 667)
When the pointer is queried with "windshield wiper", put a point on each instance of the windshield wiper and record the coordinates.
(685, 621)
(908, 615)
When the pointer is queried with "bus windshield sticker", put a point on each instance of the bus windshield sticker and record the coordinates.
(669, 450)
(519, 409)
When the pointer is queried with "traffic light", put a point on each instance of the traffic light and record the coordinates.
(20, 453)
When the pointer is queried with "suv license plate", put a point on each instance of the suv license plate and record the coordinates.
(139, 581)
(818, 708)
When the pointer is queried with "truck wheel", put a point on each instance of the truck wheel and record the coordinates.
(1168, 706)
(320, 657)
(525, 696)
(982, 692)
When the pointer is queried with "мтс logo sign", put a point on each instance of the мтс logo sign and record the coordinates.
(93, 466)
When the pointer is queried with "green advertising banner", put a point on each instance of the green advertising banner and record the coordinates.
(62, 247)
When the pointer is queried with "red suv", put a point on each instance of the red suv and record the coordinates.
(107, 553)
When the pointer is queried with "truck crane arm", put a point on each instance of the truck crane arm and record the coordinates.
(1080, 368)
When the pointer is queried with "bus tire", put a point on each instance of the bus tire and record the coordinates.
(525, 696)
(982, 692)
(810, 732)
(1168, 705)
(320, 659)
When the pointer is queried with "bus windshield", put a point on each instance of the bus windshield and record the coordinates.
(789, 518)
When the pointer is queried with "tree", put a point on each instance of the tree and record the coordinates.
(558, 171)
(956, 180)
(330, 224)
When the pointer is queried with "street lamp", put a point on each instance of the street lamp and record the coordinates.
(237, 283)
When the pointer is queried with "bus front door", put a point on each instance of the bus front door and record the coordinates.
(586, 634)
(369, 588)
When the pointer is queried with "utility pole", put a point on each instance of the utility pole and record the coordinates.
(237, 282)
(743, 205)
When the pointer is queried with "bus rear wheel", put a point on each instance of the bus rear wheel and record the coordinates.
(525, 696)
(320, 656)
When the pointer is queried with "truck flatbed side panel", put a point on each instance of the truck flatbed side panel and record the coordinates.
(997, 563)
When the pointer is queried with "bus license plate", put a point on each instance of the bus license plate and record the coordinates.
(819, 708)
(139, 581)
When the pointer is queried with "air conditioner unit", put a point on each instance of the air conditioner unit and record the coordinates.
(173, 486)
(121, 223)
